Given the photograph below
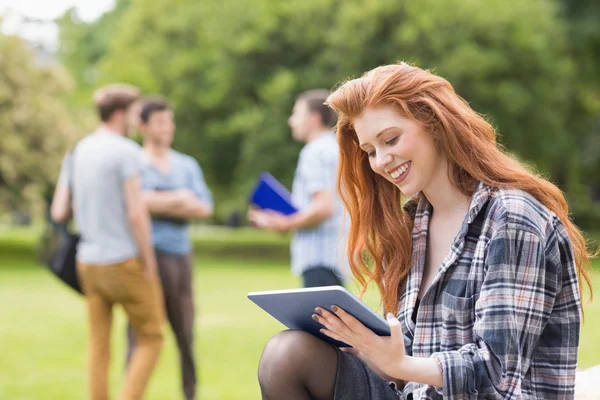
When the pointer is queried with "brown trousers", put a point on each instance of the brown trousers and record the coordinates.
(176, 277)
(141, 297)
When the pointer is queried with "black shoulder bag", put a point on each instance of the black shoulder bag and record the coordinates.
(62, 262)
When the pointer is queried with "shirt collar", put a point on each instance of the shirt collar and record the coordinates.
(105, 130)
(481, 195)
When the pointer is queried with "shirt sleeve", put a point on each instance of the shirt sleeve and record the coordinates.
(198, 184)
(64, 177)
(516, 301)
(320, 171)
(130, 163)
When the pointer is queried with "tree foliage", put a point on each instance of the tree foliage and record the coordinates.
(35, 128)
(232, 70)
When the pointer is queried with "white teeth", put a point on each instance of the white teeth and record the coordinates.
(399, 171)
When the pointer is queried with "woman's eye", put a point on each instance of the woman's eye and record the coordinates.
(371, 154)
(392, 141)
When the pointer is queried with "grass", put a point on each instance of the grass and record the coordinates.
(43, 331)
(43, 334)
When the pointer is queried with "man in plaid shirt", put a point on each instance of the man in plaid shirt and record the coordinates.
(317, 246)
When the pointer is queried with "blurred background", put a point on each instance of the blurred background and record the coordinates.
(232, 69)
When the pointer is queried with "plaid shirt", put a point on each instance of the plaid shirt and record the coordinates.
(502, 316)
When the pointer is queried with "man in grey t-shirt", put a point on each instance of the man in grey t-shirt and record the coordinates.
(103, 161)
(100, 184)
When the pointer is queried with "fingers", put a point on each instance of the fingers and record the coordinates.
(351, 322)
(350, 350)
(339, 320)
(329, 320)
(346, 328)
(395, 328)
(274, 213)
(259, 218)
(251, 214)
(332, 335)
(254, 213)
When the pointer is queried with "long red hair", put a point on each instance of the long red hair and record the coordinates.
(380, 230)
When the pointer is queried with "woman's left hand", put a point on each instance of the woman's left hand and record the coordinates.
(385, 352)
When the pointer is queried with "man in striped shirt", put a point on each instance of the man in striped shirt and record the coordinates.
(317, 247)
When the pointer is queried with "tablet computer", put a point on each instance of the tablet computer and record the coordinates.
(294, 308)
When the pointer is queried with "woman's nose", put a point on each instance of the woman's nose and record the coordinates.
(383, 160)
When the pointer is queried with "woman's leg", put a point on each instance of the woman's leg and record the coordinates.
(295, 365)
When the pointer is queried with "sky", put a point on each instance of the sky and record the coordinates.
(33, 19)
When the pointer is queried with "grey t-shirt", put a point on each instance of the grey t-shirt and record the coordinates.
(101, 162)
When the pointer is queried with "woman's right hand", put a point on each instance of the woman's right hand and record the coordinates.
(351, 350)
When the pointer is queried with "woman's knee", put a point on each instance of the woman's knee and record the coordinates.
(286, 342)
(288, 347)
(285, 347)
(297, 359)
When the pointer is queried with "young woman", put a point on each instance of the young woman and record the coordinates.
(479, 270)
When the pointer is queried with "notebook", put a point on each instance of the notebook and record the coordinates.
(294, 309)
(270, 194)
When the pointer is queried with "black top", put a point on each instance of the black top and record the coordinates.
(415, 312)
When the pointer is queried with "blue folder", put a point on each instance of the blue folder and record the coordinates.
(270, 194)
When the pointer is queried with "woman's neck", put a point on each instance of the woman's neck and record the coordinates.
(445, 198)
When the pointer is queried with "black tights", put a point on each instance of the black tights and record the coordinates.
(295, 365)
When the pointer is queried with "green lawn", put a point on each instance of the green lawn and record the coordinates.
(43, 332)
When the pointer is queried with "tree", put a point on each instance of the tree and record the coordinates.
(36, 128)
(83, 44)
(584, 110)
(232, 70)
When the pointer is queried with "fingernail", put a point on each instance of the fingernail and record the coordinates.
(334, 308)
(318, 311)
(390, 316)
(315, 318)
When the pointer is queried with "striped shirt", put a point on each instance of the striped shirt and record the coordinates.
(317, 171)
(502, 315)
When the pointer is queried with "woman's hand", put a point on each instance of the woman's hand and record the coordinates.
(384, 355)
(351, 350)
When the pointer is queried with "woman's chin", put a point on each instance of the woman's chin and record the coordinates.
(407, 189)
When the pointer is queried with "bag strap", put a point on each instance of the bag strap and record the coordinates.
(71, 184)
(70, 175)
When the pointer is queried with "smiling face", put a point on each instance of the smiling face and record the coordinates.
(398, 149)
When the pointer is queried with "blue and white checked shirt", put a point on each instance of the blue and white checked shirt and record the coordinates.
(322, 245)
(503, 313)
